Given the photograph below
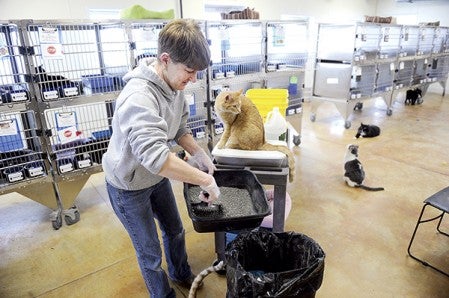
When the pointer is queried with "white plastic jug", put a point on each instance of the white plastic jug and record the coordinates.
(275, 125)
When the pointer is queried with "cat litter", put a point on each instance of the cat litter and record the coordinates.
(234, 202)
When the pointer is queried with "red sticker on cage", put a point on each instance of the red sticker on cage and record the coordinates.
(51, 50)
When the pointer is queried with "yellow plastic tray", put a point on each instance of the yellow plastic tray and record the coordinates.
(266, 99)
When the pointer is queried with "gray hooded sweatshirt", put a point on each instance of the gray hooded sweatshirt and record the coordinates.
(148, 114)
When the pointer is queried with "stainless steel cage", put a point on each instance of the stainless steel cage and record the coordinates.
(77, 59)
(404, 72)
(22, 155)
(14, 85)
(441, 40)
(287, 60)
(286, 46)
(236, 48)
(384, 77)
(78, 135)
(409, 41)
(143, 38)
(426, 40)
(389, 42)
(384, 61)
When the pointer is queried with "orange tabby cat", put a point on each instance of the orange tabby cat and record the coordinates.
(243, 126)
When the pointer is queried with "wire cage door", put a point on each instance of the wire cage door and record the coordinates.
(74, 60)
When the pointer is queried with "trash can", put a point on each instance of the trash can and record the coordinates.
(260, 263)
(267, 221)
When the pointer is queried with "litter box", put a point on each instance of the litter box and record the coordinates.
(225, 219)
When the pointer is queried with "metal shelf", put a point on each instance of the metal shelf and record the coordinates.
(361, 61)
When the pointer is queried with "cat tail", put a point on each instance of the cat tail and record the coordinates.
(286, 151)
(370, 188)
(199, 278)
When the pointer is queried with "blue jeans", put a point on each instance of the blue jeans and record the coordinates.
(137, 210)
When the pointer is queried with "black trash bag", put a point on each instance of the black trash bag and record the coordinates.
(261, 263)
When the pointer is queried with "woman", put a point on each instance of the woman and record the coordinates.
(151, 111)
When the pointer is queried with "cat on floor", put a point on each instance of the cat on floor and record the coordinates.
(354, 173)
(413, 96)
(367, 131)
(244, 128)
(199, 278)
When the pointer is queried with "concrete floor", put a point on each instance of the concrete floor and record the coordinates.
(364, 234)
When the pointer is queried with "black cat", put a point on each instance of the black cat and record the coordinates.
(413, 96)
(367, 131)
(56, 82)
(50, 81)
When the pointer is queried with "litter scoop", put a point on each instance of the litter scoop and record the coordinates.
(206, 209)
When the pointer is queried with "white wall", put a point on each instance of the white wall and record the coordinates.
(73, 9)
(319, 10)
(415, 12)
(328, 10)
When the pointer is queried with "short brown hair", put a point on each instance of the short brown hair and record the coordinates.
(184, 41)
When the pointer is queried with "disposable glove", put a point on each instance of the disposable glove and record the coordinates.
(210, 192)
(202, 161)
